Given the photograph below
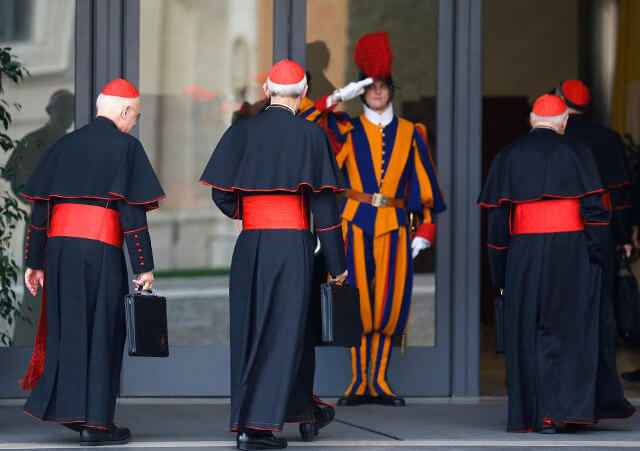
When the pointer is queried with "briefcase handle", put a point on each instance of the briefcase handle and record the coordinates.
(150, 292)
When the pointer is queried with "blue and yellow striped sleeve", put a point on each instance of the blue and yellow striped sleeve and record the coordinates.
(425, 196)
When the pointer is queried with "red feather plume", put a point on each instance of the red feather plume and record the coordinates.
(373, 55)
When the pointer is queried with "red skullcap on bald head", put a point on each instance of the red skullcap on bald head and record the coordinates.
(576, 92)
(549, 105)
(120, 88)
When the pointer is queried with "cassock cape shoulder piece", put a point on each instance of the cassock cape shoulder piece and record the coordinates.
(273, 150)
(542, 164)
(96, 161)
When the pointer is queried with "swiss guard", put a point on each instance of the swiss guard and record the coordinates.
(610, 157)
(90, 193)
(547, 236)
(271, 171)
(390, 175)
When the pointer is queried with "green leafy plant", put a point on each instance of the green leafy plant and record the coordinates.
(11, 213)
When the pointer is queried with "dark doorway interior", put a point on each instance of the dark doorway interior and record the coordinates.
(524, 57)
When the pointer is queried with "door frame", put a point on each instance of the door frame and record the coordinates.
(107, 45)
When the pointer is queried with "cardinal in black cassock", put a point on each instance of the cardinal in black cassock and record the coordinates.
(548, 235)
(270, 171)
(91, 191)
(609, 154)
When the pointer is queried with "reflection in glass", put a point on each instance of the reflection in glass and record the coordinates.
(199, 61)
(46, 114)
(412, 28)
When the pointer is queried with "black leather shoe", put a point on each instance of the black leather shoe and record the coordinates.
(388, 400)
(97, 437)
(254, 439)
(548, 430)
(77, 427)
(353, 400)
(323, 415)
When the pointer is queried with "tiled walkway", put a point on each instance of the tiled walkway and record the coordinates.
(423, 423)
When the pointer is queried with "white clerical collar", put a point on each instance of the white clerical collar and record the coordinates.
(282, 105)
(383, 119)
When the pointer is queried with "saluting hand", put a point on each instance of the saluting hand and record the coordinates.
(33, 278)
(144, 280)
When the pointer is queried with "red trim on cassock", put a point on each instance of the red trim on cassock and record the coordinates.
(619, 185)
(547, 216)
(118, 197)
(328, 228)
(276, 211)
(622, 207)
(234, 188)
(136, 230)
(149, 208)
(427, 230)
(548, 196)
(86, 221)
(500, 248)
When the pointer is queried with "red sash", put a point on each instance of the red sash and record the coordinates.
(275, 211)
(547, 216)
(86, 221)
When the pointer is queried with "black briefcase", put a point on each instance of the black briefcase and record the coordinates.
(340, 312)
(147, 324)
(627, 304)
(499, 311)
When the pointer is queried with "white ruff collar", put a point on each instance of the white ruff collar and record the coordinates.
(383, 119)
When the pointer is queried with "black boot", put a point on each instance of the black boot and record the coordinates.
(97, 437)
(323, 415)
(388, 400)
(353, 400)
(256, 439)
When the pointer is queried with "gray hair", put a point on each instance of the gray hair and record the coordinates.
(276, 89)
(106, 104)
(555, 120)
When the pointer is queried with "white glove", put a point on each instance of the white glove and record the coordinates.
(348, 92)
(419, 244)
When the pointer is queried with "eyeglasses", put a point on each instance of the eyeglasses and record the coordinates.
(138, 114)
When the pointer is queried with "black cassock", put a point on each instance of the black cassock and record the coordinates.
(272, 342)
(552, 279)
(87, 178)
(609, 154)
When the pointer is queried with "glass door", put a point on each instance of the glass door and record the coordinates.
(333, 28)
(199, 61)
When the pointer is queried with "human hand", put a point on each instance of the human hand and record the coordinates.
(350, 91)
(144, 281)
(341, 278)
(33, 278)
(628, 249)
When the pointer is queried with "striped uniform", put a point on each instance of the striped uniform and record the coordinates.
(395, 161)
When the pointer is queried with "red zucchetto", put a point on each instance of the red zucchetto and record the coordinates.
(120, 88)
(286, 78)
(576, 92)
(373, 55)
(286, 72)
(549, 105)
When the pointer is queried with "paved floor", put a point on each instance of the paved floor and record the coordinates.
(423, 423)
